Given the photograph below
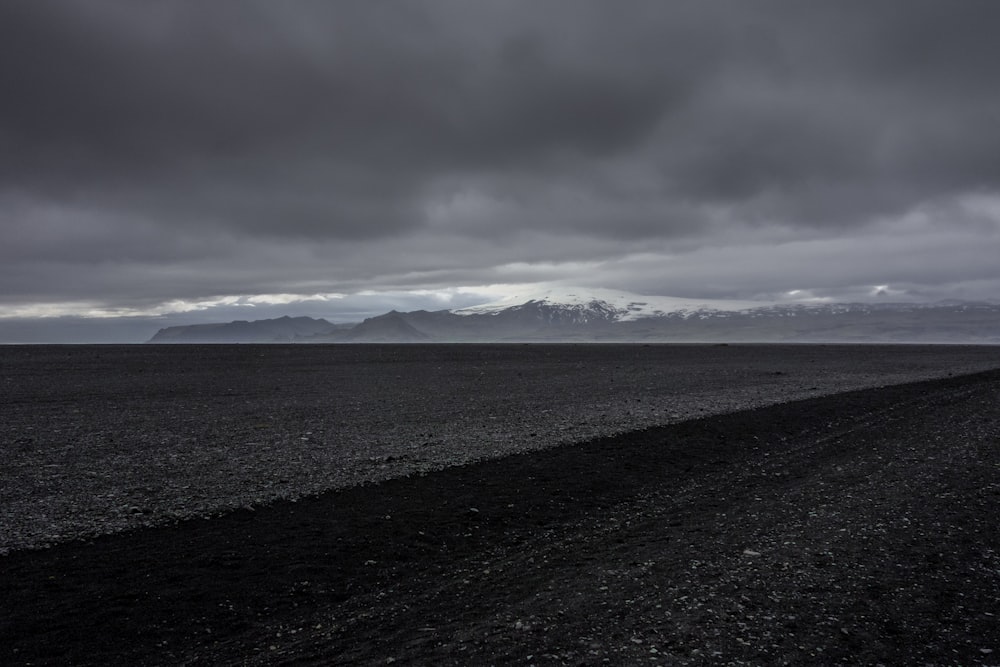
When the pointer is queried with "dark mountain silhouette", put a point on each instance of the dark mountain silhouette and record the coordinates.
(630, 318)
(393, 327)
(280, 330)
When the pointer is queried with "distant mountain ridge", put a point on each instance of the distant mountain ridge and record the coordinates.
(280, 330)
(593, 315)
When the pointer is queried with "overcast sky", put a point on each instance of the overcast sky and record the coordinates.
(182, 161)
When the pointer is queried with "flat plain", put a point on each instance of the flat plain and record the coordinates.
(481, 504)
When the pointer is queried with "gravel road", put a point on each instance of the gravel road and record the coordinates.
(100, 439)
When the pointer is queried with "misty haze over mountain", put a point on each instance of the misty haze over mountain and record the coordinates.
(580, 315)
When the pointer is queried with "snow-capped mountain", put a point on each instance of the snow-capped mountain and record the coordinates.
(608, 304)
(601, 315)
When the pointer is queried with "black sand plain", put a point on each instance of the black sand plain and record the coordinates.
(856, 526)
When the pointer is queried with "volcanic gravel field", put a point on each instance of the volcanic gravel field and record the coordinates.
(499, 504)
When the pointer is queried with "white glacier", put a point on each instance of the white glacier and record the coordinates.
(627, 306)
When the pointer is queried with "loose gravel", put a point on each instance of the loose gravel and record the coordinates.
(102, 439)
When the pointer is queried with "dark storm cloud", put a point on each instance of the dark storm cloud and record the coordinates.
(192, 147)
(310, 119)
(235, 80)
(746, 98)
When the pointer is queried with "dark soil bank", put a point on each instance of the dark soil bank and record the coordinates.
(856, 528)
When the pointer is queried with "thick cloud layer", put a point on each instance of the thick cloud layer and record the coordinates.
(185, 150)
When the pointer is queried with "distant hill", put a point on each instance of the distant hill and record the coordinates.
(280, 330)
(393, 327)
(583, 315)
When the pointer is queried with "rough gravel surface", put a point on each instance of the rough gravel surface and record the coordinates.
(846, 528)
(99, 439)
